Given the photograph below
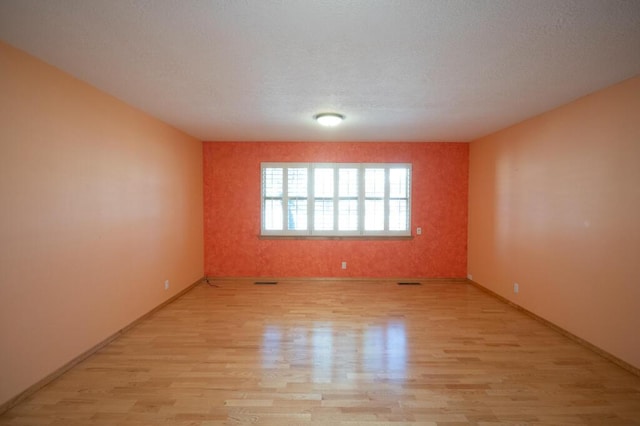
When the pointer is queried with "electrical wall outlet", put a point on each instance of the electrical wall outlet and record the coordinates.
(516, 287)
(344, 265)
(418, 231)
(166, 284)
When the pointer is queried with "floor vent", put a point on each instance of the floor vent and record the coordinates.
(266, 282)
(409, 283)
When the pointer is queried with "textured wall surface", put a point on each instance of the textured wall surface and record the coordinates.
(232, 213)
(553, 206)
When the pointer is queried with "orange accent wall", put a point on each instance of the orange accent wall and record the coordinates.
(100, 204)
(232, 213)
(554, 205)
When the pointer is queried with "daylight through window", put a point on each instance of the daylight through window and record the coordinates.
(336, 199)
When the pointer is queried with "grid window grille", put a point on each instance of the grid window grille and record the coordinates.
(336, 199)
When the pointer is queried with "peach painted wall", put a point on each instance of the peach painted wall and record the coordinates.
(554, 205)
(100, 204)
(232, 213)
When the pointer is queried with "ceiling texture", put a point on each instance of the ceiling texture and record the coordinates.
(399, 70)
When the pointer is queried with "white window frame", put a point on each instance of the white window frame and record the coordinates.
(310, 232)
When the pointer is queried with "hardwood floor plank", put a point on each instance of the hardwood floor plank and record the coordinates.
(330, 352)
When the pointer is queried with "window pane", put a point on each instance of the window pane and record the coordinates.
(297, 215)
(374, 182)
(297, 182)
(273, 215)
(323, 215)
(323, 182)
(272, 181)
(337, 199)
(348, 215)
(398, 215)
(398, 183)
(374, 215)
(348, 182)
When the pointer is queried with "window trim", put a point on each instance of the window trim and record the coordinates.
(335, 233)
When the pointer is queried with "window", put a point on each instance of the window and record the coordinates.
(336, 199)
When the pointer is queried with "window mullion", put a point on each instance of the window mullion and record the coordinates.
(387, 196)
(408, 197)
(263, 199)
(285, 199)
(361, 198)
(311, 198)
(336, 199)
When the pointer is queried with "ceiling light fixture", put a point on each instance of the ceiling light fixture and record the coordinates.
(329, 119)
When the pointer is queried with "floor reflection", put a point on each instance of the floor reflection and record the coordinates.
(333, 352)
(322, 352)
(271, 346)
(396, 342)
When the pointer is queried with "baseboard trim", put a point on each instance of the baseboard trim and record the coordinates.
(612, 358)
(393, 280)
(12, 402)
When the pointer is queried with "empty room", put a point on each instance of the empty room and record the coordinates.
(274, 212)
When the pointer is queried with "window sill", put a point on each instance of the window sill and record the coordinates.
(337, 237)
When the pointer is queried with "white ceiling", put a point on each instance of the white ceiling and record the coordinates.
(400, 70)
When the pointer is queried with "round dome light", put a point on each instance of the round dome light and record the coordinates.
(329, 119)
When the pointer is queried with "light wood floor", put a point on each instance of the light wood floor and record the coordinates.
(369, 353)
